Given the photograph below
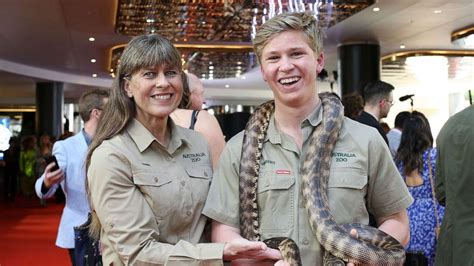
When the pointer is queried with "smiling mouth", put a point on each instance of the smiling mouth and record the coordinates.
(289, 81)
(161, 96)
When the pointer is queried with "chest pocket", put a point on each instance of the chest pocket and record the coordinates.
(276, 197)
(347, 188)
(199, 182)
(159, 191)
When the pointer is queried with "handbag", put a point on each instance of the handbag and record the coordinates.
(86, 248)
(438, 226)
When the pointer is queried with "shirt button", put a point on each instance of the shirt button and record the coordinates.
(183, 183)
(155, 179)
(188, 213)
(305, 241)
(169, 159)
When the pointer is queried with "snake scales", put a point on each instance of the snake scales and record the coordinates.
(370, 247)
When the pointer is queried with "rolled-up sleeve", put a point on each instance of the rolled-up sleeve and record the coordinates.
(128, 223)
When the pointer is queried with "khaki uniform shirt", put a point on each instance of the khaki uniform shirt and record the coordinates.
(149, 198)
(363, 178)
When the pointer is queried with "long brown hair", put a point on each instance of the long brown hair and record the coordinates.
(144, 51)
(416, 138)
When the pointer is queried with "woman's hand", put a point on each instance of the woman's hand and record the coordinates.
(240, 248)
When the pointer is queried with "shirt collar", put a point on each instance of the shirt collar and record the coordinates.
(313, 119)
(144, 138)
(86, 137)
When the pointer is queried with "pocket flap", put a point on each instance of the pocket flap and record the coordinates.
(275, 182)
(151, 179)
(204, 172)
(348, 180)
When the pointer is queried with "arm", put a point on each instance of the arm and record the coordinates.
(388, 196)
(49, 181)
(208, 126)
(396, 225)
(237, 247)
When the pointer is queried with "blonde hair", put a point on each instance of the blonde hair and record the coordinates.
(304, 22)
(144, 51)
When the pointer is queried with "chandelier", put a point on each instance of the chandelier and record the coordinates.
(220, 24)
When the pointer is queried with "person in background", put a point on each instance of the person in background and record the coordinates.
(197, 119)
(196, 92)
(395, 134)
(353, 105)
(28, 160)
(454, 183)
(148, 178)
(362, 174)
(386, 128)
(70, 177)
(12, 169)
(416, 161)
(378, 97)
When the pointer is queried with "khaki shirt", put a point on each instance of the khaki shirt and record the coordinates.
(149, 198)
(363, 177)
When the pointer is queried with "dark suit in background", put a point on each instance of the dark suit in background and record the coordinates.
(368, 119)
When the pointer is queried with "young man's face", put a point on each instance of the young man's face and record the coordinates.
(290, 68)
(386, 105)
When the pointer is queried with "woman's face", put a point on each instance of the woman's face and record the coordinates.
(156, 91)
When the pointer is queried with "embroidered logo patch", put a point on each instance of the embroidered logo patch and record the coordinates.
(343, 156)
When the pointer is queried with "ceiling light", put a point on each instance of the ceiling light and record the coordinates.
(438, 11)
(227, 85)
(243, 77)
(94, 75)
(376, 9)
(91, 39)
(93, 60)
(402, 46)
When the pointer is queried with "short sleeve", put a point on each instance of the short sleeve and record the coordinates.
(387, 192)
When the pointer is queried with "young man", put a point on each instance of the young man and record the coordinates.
(70, 154)
(289, 49)
(378, 97)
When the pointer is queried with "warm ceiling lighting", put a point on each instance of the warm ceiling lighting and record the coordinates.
(376, 9)
(93, 60)
(94, 75)
(91, 39)
(402, 46)
(438, 11)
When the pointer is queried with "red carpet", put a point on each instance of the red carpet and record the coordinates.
(28, 233)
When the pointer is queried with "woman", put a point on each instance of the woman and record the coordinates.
(148, 178)
(416, 160)
(199, 120)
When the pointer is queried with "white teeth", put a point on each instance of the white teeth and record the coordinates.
(162, 96)
(289, 80)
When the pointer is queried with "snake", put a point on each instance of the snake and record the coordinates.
(370, 246)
